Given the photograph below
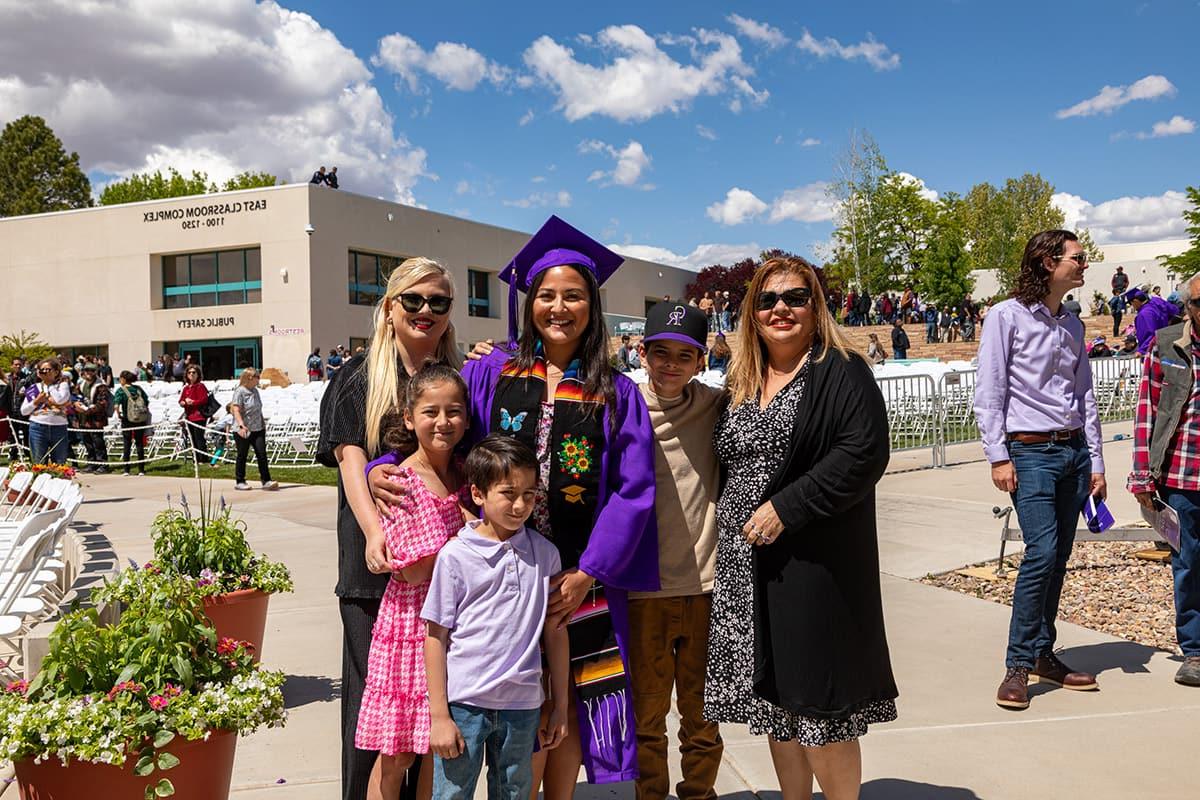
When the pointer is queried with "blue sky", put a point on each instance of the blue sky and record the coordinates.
(508, 112)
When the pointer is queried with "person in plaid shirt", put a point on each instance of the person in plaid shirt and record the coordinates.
(1166, 462)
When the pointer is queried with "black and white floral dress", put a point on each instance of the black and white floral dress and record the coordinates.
(751, 443)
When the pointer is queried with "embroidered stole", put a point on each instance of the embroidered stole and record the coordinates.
(577, 438)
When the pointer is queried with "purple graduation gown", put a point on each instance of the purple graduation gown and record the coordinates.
(622, 550)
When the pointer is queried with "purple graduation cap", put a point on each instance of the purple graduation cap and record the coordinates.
(556, 243)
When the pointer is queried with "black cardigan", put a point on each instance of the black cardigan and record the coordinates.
(820, 647)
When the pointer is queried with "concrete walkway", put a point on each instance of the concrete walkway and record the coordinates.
(1133, 739)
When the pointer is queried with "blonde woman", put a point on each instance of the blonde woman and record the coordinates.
(796, 647)
(249, 427)
(411, 326)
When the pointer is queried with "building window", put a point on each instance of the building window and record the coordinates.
(367, 275)
(222, 278)
(479, 302)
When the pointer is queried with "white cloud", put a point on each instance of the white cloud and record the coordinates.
(779, 138)
(632, 161)
(642, 80)
(810, 142)
(809, 203)
(455, 65)
(874, 52)
(526, 118)
(706, 133)
(738, 206)
(922, 189)
(559, 199)
(462, 187)
(1126, 219)
(220, 86)
(758, 31)
(1175, 126)
(1110, 98)
(538, 179)
(702, 256)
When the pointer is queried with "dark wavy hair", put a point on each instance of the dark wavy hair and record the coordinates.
(592, 351)
(395, 435)
(1033, 282)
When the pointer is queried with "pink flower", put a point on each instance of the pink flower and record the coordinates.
(17, 687)
(158, 702)
(227, 646)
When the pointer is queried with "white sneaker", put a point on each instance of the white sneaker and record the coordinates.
(242, 487)
(270, 486)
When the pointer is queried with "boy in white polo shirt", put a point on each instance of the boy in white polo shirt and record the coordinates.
(485, 612)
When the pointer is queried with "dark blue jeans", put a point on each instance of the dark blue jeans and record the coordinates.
(1052, 483)
(1186, 567)
(49, 443)
(506, 738)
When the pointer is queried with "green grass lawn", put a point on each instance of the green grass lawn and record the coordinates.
(309, 475)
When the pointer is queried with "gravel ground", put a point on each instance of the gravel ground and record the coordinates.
(1107, 590)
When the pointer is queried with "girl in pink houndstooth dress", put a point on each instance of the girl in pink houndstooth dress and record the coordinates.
(394, 718)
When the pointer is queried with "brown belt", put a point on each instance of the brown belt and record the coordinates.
(1043, 438)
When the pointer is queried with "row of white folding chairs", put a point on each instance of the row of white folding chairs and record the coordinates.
(26, 493)
(32, 570)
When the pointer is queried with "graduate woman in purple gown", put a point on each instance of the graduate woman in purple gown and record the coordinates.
(555, 389)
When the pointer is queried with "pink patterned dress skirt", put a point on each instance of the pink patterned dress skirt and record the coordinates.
(394, 717)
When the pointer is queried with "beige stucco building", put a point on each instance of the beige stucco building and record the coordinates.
(258, 277)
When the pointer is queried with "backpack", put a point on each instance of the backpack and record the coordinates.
(136, 409)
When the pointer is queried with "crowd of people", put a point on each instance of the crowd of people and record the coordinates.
(48, 407)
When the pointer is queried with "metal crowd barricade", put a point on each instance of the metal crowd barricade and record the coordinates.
(912, 409)
(1115, 383)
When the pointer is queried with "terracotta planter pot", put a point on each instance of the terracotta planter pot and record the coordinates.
(240, 615)
(205, 772)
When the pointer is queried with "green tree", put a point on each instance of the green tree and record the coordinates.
(1001, 221)
(1187, 263)
(906, 223)
(945, 274)
(858, 254)
(156, 186)
(28, 345)
(39, 174)
(250, 180)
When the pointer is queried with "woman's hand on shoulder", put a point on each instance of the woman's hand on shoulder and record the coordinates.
(764, 525)
(481, 349)
(385, 491)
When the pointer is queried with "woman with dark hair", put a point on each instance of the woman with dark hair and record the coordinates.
(590, 429)
(193, 399)
(133, 409)
(796, 647)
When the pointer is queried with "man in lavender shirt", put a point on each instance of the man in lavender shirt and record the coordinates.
(1041, 433)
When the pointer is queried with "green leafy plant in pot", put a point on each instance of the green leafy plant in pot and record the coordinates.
(209, 548)
(156, 692)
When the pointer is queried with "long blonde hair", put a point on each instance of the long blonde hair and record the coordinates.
(745, 377)
(382, 375)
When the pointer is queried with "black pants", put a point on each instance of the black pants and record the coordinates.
(199, 445)
(137, 437)
(1117, 324)
(97, 449)
(358, 617)
(259, 440)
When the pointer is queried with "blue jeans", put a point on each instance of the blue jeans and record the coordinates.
(1052, 482)
(506, 738)
(49, 440)
(1185, 565)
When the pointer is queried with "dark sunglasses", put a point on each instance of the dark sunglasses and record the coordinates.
(413, 302)
(1194, 302)
(44, 370)
(792, 298)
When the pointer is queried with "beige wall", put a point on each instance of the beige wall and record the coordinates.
(93, 276)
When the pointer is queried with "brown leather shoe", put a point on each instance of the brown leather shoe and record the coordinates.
(1049, 669)
(1014, 689)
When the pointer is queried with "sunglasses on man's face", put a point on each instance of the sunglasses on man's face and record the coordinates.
(1194, 302)
(792, 298)
(1079, 258)
(412, 303)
